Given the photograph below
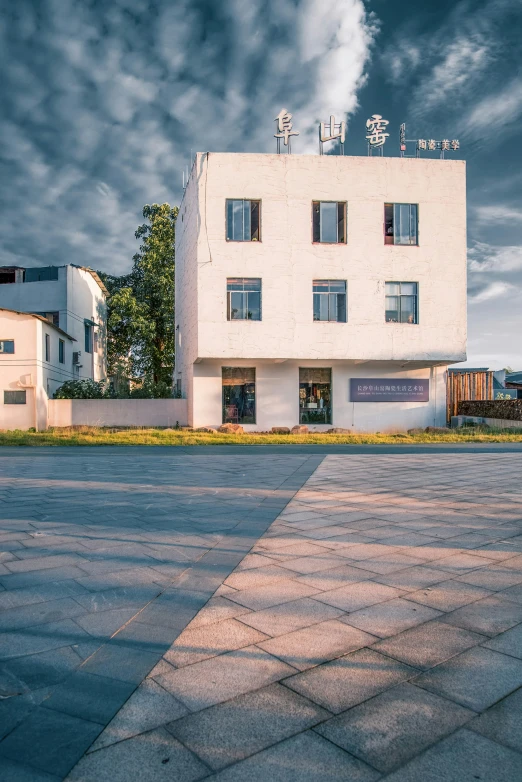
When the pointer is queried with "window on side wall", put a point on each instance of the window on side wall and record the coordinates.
(243, 220)
(61, 351)
(47, 347)
(330, 300)
(6, 346)
(402, 302)
(243, 298)
(15, 397)
(329, 222)
(239, 395)
(88, 338)
(401, 224)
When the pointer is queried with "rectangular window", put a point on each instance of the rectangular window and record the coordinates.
(88, 338)
(243, 299)
(47, 347)
(243, 220)
(329, 222)
(239, 395)
(14, 397)
(6, 345)
(400, 224)
(315, 395)
(401, 302)
(41, 274)
(52, 317)
(330, 300)
(61, 351)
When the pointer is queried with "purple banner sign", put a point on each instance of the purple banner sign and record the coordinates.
(377, 389)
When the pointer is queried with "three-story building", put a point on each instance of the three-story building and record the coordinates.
(323, 290)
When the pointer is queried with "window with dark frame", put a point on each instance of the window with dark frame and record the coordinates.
(61, 351)
(47, 347)
(15, 397)
(243, 220)
(329, 222)
(315, 396)
(7, 346)
(401, 224)
(401, 302)
(330, 300)
(88, 337)
(243, 298)
(239, 395)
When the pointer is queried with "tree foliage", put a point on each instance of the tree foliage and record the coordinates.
(140, 324)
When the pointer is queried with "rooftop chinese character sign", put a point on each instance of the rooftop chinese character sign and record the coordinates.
(378, 389)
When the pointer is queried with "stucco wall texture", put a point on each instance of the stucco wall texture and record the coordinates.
(287, 262)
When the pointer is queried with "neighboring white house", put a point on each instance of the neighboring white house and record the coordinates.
(323, 290)
(72, 298)
(36, 357)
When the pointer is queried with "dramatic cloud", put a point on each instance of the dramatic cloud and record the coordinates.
(493, 291)
(103, 104)
(484, 257)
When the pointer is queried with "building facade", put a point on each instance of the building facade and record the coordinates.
(35, 358)
(323, 290)
(72, 298)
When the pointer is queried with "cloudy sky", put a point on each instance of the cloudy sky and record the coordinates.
(102, 103)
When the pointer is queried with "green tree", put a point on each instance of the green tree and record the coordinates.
(140, 324)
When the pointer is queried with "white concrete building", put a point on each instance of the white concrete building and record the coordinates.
(323, 290)
(72, 298)
(35, 358)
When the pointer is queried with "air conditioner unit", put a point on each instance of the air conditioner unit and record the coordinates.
(76, 356)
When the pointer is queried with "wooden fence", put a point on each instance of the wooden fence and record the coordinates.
(467, 386)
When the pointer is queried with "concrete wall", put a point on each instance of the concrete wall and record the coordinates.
(277, 396)
(117, 412)
(496, 423)
(287, 261)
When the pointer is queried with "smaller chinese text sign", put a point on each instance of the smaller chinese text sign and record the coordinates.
(371, 389)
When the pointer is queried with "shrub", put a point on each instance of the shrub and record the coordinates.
(81, 389)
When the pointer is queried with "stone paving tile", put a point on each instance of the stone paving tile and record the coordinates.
(391, 617)
(448, 595)
(286, 618)
(120, 662)
(390, 729)
(428, 644)
(150, 757)
(18, 772)
(303, 758)
(509, 642)
(256, 576)
(49, 741)
(462, 757)
(476, 678)
(149, 707)
(413, 578)
(502, 722)
(215, 680)
(335, 577)
(317, 644)
(94, 698)
(24, 674)
(238, 728)
(216, 610)
(194, 645)
(494, 578)
(489, 616)
(356, 596)
(349, 680)
(273, 594)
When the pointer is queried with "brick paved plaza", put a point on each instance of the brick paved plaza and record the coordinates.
(264, 616)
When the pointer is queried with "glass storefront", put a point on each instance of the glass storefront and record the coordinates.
(315, 396)
(239, 395)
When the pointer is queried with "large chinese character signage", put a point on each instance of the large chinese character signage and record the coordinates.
(376, 136)
(389, 390)
(284, 127)
(331, 132)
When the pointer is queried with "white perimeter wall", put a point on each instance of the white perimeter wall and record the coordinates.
(117, 412)
(277, 396)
